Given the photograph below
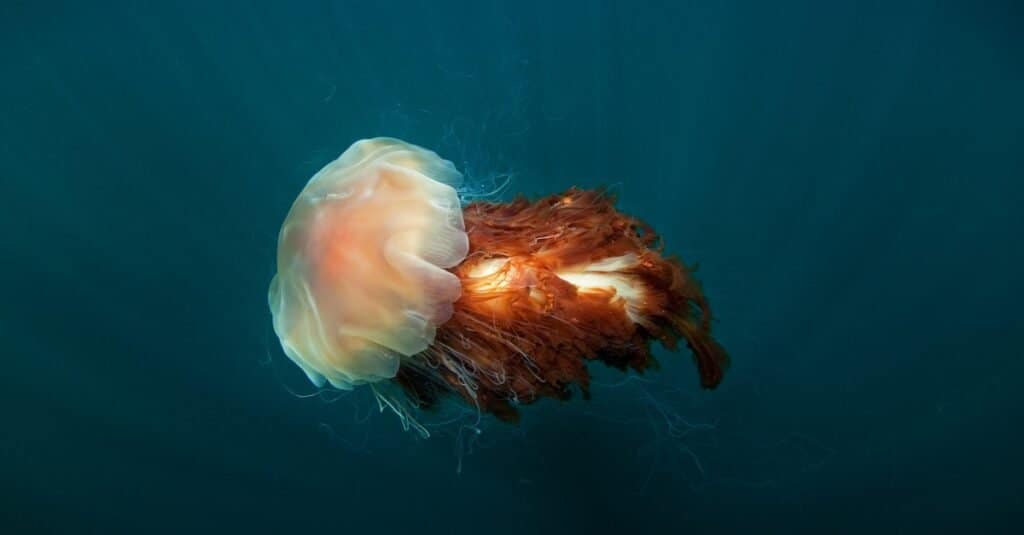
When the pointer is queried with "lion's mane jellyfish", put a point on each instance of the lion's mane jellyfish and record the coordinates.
(383, 275)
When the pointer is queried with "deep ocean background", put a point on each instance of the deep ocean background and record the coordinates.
(849, 176)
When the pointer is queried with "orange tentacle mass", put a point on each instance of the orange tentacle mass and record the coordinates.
(550, 285)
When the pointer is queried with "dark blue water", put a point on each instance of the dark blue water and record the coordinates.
(848, 175)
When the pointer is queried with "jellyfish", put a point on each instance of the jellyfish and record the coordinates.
(384, 276)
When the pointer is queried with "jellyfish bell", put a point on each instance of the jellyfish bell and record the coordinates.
(361, 277)
(383, 275)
